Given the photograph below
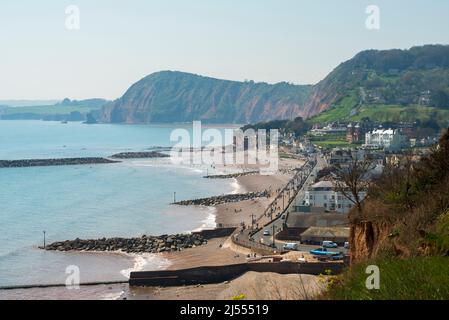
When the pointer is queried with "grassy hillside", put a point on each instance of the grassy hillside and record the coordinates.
(419, 278)
(400, 80)
(341, 111)
(68, 110)
(349, 110)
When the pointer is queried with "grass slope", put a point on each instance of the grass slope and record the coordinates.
(419, 278)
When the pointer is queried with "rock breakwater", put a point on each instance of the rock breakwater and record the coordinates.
(213, 201)
(139, 155)
(52, 162)
(232, 175)
(149, 244)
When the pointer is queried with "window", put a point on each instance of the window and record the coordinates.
(325, 197)
(325, 205)
(339, 206)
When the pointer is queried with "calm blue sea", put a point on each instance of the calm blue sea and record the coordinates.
(124, 199)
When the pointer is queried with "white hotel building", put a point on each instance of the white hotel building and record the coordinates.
(323, 194)
(389, 139)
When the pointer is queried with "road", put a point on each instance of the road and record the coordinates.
(278, 222)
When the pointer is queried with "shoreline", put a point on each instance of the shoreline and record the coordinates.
(216, 251)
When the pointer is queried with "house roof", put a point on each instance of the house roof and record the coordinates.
(383, 131)
(306, 220)
(323, 184)
(331, 232)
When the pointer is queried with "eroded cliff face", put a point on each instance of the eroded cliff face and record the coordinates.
(182, 97)
(366, 239)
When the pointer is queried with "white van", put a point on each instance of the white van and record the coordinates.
(291, 246)
(329, 244)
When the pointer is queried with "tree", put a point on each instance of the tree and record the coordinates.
(353, 179)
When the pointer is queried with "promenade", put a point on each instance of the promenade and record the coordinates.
(274, 215)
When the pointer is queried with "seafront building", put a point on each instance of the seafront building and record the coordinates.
(389, 139)
(325, 194)
(316, 235)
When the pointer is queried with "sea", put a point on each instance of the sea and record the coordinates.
(126, 199)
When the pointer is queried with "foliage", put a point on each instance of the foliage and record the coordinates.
(420, 278)
(297, 127)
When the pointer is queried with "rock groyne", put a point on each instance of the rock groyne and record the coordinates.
(149, 244)
(53, 162)
(213, 201)
(140, 155)
(232, 175)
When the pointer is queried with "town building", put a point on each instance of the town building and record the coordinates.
(389, 139)
(306, 147)
(343, 156)
(354, 133)
(325, 194)
(316, 235)
(298, 222)
(331, 128)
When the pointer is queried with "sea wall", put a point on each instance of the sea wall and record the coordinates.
(215, 233)
(217, 274)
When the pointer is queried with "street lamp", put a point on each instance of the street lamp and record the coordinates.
(44, 238)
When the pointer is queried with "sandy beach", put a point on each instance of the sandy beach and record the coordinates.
(218, 251)
(252, 285)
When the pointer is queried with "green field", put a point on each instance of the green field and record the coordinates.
(339, 112)
(330, 141)
(348, 110)
(395, 113)
(329, 144)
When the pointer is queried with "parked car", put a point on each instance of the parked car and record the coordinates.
(291, 246)
(266, 232)
(324, 252)
(337, 256)
(329, 244)
(320, 252)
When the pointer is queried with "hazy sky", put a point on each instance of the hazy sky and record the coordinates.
(120, 42)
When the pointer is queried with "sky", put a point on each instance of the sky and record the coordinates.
(120, 42)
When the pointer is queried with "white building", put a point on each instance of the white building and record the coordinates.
(324, 194)
(388, 139)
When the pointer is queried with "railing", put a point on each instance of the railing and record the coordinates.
(239, 239)
(300, 175)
